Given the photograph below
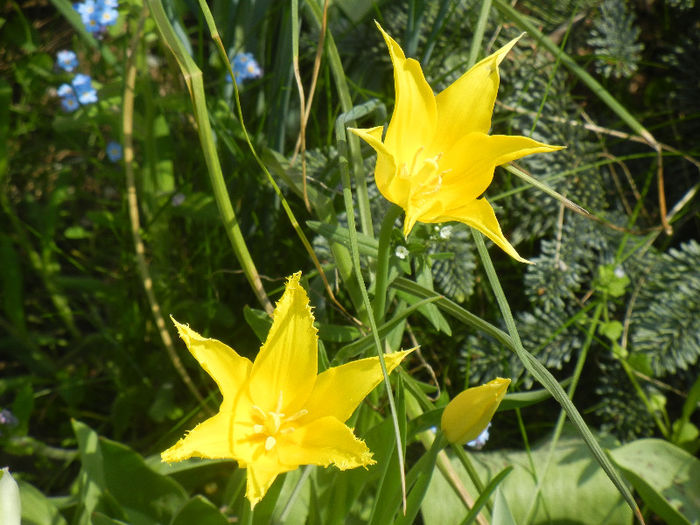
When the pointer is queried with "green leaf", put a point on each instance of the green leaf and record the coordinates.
(201, 511)
(145, 497)
(612, 330)
(501, 512)
(575, 487)
(258, 320)
(610, 282)
(100, 519)
(113, 474)
(665, 476)
(37, 509)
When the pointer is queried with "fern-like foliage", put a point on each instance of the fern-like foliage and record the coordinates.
(614, 39)
(551, 336)
(665, 323)
(454, 270)
(621, 411)
(527, 95)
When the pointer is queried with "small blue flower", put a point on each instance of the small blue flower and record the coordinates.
(177, 199)
(97, 15)
(481, 439)
(82, 84)
(114, 151)
(244, 67)
(65, 90)
(108, 16)
(92, 24)
(86, 9)
(70, 103)
(66, 60)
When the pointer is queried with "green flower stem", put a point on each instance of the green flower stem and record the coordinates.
(195, 85)
(380, 283)
(543, 375)
(444, 465)
(352, 230)
(479, 32)
(471, 471)
(562, 415)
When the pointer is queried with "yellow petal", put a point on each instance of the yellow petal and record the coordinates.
(469, 165)
(221, 362)
(413, 121)
(261, 474)
(479, 214)
(322, 442)
(286, 366)
(466, 105)
(210, 439)
(468, 414)
(394, 189)
(373, 137)
(339, 390)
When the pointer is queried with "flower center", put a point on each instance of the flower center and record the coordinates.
(269, 425)
(424, 176)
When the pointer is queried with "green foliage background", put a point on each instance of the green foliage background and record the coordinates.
(77, 338)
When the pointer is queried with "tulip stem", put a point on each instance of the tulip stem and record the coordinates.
(471, 471)
(540, 372)
(562, 415)
(381, 276)
(341, 139)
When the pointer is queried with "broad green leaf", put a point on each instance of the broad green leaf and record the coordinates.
(37, 509)
(575, 486)
(294, 498)
(665, 476)
(113, 474)
(258, 320)
(91, 481)
(537, 369)
(200, 511)
(145, 496)
(101, 519)
(501, 512)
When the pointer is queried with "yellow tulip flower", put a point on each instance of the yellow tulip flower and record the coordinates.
(468, 414)
(437, 159)
(278, 412)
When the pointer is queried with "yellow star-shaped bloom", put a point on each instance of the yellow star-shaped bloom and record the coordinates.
(278, 412)
(437, 157)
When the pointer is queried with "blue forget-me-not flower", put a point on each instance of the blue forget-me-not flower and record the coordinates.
(79, 92)
(114, 151)
(66, 60)
(244, 67)
(97, 15)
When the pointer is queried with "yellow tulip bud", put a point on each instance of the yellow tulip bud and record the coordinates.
(468, 414)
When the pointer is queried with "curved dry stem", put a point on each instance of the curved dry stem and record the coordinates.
(133, 205)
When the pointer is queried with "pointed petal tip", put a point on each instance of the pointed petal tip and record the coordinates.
(408, 223)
